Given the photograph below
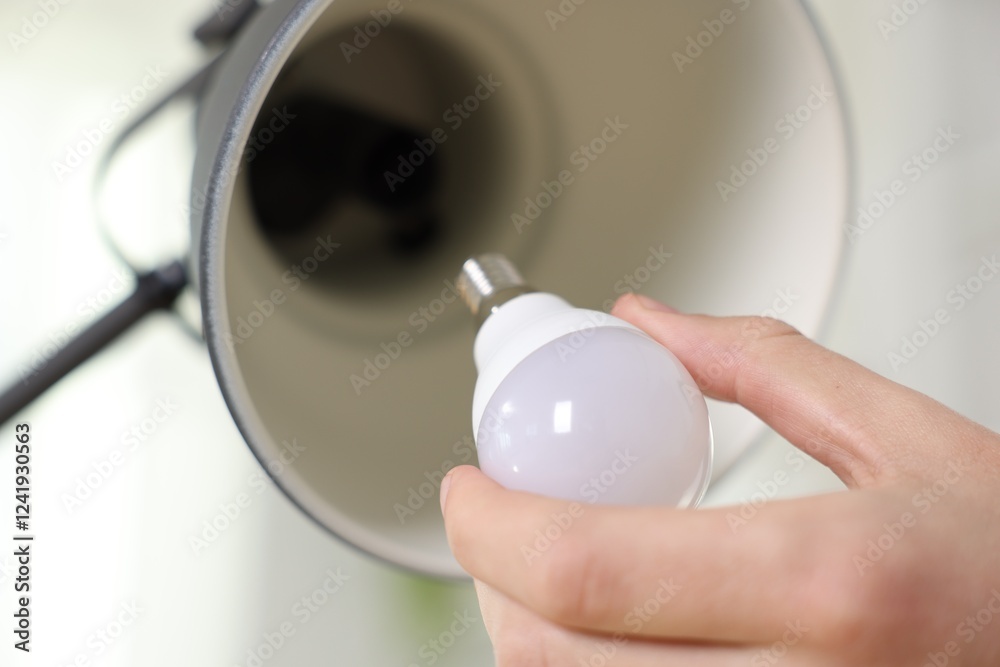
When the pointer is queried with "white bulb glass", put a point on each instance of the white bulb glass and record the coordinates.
(579, 405)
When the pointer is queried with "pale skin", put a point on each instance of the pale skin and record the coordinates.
(799, 584)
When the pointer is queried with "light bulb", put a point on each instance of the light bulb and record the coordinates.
(578, 404)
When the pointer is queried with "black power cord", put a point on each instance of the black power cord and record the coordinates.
(157, 290)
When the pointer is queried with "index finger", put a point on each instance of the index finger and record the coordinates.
(864, 427)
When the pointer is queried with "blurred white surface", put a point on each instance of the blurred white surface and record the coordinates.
(130, 543)
(904, 88)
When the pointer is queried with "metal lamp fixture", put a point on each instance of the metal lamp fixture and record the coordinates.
(351, 155)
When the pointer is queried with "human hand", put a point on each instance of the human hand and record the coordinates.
(904, 569)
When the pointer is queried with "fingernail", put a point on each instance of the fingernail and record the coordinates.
(653, 304)
(445, 483)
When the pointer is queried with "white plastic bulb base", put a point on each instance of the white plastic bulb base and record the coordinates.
(580, 405)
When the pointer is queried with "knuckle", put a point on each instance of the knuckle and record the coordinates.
(776, 333)
(775, 328)
(761, 328)
(576, 585)
(841, 615)
(863, 610)
(763, 339)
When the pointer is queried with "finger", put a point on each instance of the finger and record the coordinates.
(659, 572)
(522, 638)
(866, 428)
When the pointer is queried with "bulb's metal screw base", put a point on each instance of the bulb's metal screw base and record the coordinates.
(489, 281)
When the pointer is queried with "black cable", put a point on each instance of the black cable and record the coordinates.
(192, 87)
(154, 291)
